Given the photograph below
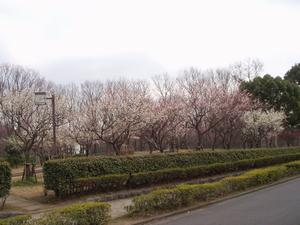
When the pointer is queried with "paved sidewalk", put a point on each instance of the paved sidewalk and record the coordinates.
(33, 207)
(27, 206)
(118, 207)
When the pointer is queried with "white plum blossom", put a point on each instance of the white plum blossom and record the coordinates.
(262, 125)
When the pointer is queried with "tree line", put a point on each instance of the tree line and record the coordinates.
(215, 108)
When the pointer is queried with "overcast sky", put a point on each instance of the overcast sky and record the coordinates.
(74, 40)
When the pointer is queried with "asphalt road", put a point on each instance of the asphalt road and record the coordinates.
(277, 205)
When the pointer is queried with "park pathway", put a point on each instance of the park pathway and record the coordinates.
(118, 200)
(35, 208)
(28, 206)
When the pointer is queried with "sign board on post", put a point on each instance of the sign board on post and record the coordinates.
(40, 98)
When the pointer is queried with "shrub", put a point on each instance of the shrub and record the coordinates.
(13, 154)
(5, 181)
(60, 175)
(16, 220)
(89, 213)
(156, 177)
(167, 175)
(183, 195)
(293, 167)
(123, 181)
(104, 183)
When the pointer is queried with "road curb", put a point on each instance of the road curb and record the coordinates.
(202, 205)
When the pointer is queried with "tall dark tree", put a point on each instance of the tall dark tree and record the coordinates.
(293, 74)
(278, 94)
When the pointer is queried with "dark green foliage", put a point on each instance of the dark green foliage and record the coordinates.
(5, 179)
(183, 195)
(293, 74)
(13, 155)
(278, 94)
(16, 220)
(112, 182)
(155, 177)
(174, 174)
(103, 183)
(115, 182)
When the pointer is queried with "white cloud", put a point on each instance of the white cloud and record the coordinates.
(173, 34)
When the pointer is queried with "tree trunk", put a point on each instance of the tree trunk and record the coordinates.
(160, 147)
(199, 142)
(150, 148)
(26, 170)
(117, 148)
(3, 202)
(88, 148)
(214, 141)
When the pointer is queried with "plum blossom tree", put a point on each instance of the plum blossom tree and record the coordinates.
(77, 129)
(210, 105)
(114, 110)
(235, 104)
(163, 119)
(63, 107)
(203, 102)
(30, 123)
(15, 78)
(70, 129)
(262, 125)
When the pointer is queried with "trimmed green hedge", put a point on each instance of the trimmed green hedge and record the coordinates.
(5, 179)
(167, 175)
(104, 183)
(59, 175)
(125, 181)
(89, 213)
(16, 220)
(187, 194)
(293, 166)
